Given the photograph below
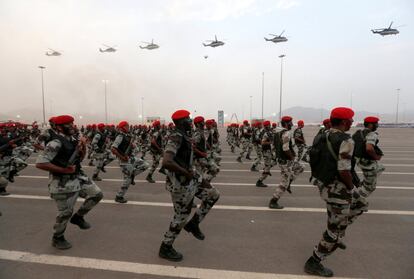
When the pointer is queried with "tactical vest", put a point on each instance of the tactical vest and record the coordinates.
(245, 135)
(184, 154)
(101, 142)
(298, 134)
(360, 150)
(270, 137)
(9, 150)
(65, 152)
(324, 166)
(201, 145)
(280, 154)
(124, 145)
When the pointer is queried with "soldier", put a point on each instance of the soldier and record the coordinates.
(299, 139)
(326, 126)
(102, 156)
(130, 166)
(6, 151)
(156, 149)
(205, 166)
(289, 168)
(331, 166)
(367, 155)
(62, 158)
(257, 139)
(183, 186)
(245, 139)
(266, 142)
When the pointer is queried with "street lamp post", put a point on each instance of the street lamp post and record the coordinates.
(398, 103)
(43, 96)
(262, 93)
(105, 81)
(280, 92)
(251, 108)
(142, 109)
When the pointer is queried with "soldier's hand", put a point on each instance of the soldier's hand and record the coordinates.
(69, 169)
(125, 158)
(189, 175)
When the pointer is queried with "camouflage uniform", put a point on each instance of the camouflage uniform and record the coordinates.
(267, 154)
(130, 168)
(289, 169)
(102, 156)
(206, 167)
(245, 141)
(65, 188)
(298, 134)
(156, 155)
(183, 192)
(338, 201)
(257, 138)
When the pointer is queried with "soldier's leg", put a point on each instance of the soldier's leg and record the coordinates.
(266, 170)
(211, 170)
(140, 166)
(92, 194)
(3, 185)
(285, 176)
(126, 171)
(182, 199)
(65, 203)
(370, 173)
(99, 165)
(155, 163)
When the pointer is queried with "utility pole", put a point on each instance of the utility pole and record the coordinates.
(280, 91)
(43, 96)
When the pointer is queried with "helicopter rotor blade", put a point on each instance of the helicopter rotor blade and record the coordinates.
(274, 35)
(282, 33)
(401, 26)
(391, 24)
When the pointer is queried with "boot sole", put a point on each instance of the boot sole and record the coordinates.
(170, 259)
(61, 248)
(317, 274)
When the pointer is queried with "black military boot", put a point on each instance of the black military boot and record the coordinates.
(78, 220)
(120, 199)
(192, 227)
(11, 176)
(273, 204)
(103, 168)
(260, 183)
(150, 179)
(314, 267)
(253, 168)
(132, 179)
(162, 170)
(95, 177)
(61, 243)
(169, 253)
(239, 159)
(3, 192)
(248, 157)
(341, 245)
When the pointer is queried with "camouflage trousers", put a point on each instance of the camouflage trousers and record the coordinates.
(268, 164)
(9, 165)
(102, 159)
(182, 197)
(66, 201)
(206, 168)
(131, 169)
(370, 170)
(156, 157)
(259, 155)
(301, 151)
(289, 170)
(246, 147)
(338, 201)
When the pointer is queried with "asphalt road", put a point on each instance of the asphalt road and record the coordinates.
(244, 239)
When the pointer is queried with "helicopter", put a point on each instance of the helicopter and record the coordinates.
(108, 48)
(149, 46)
(52, 52)
(386, 31)
(214, 43)
(277, 39)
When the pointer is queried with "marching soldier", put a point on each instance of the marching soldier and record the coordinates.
(62, 157)
(257, 138)
(99, 146)
(131, 166)
(156, 149)
(289, 168)
(299, 139)
(331, 165)
(267, 140)
(245, 140)
(183, 186)
(367, 155)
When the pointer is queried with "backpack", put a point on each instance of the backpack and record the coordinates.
(323, 164)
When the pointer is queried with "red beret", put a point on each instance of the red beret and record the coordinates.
(342, 113)
(198, 119)
(326, 121)
(286, 119)
(156, 123)
(52, 119)
(300, 122)
(122, 124)
(63, 119)
(371, 119)
(209, 122)
(101, 125)
(274, 124)
(245, 122)
(170, 124)
(180, 114)
(266, 123)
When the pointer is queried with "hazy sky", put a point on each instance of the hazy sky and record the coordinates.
(330, 55)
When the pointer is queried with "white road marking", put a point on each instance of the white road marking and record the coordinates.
(225, 207)
(224, 183)
(385, 164)
(140, 268)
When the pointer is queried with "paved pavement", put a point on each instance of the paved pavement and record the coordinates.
(244, 239)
